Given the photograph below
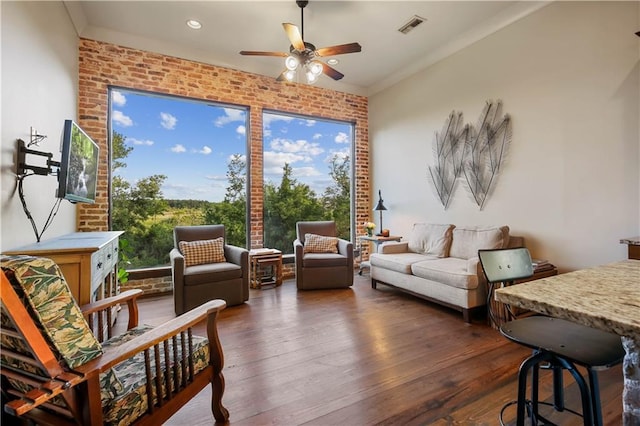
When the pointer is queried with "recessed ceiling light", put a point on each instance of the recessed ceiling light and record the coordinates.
(333, 61)
(193, 24)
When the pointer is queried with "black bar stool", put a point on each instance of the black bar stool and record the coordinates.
(557, 344)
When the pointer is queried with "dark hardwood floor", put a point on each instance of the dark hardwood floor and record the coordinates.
(361, 357)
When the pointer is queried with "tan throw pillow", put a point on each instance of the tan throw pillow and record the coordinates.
(469, 239)
(202, 251)
(430, 238)
(320, 244)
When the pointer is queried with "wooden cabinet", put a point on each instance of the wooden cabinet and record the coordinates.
(88, 260)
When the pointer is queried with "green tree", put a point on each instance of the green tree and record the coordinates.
(237, 177)
(119, 151)
(152, 243)
(232, 211)
(284, 206)
(132, 207)
(232, 216)
(337, 197)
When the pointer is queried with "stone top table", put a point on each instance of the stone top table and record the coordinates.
(605, 297)
(634, 246)
(634, 241)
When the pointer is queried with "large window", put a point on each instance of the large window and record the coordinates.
(307, 173)
(175, 161)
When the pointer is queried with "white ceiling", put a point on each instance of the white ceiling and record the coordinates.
(230, 26)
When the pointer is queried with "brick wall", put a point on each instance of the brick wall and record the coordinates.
(104, 65)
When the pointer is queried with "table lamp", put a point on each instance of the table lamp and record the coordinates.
(380, 207)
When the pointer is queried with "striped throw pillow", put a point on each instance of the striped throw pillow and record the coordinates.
(320, 244)
(202, 251)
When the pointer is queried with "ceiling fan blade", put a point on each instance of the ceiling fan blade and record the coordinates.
(258, 53)
(339, 50)
(294, 36)
(331, 72)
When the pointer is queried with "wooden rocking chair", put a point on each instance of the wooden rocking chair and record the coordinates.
(54, 371)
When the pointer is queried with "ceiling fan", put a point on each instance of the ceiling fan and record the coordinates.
(304, 55)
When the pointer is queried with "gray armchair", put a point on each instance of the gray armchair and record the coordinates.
(196, 284)
(322, 270)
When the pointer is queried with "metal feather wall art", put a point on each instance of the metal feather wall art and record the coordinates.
(448, 148)
(474, 153)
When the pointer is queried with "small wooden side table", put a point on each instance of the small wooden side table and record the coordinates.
(266, 267)
(501, 312)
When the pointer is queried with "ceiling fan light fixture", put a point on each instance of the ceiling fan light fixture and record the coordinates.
(289, 75)
(302, 54)
(291, 63)
(311, 77)
(315, 67)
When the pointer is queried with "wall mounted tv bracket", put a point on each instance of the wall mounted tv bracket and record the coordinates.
(23, 150)
(22, 172)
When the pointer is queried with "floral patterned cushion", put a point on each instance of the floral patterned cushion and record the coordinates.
(41, 286)
(126, 336)
(110, 386)
(133, 402)
(38, 281)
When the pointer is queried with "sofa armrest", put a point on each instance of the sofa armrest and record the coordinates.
(237, 255)
(177, 265)
(93, 311)
(515, 241)
(345, 247)
(177, 278)
(177, 259)
(393, 247)
(207, 312)
(475, 267)
(298, 251)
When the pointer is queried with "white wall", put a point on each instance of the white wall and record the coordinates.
(39, 89)
(569, 77)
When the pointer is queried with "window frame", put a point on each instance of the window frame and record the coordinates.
(352, 158)
(153, 271)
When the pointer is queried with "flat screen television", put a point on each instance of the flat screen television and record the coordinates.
(78, 173)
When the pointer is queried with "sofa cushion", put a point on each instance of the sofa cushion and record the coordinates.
(398, 262)
(321, 260)
(202, 251)
(451, 271)
(432, 239)
(468, 240)
(211, 272)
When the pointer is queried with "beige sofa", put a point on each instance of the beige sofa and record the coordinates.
(440, 263)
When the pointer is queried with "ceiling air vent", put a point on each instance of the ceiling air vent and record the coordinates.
(413, 22)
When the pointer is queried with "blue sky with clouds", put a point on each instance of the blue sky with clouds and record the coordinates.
(191, 143)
